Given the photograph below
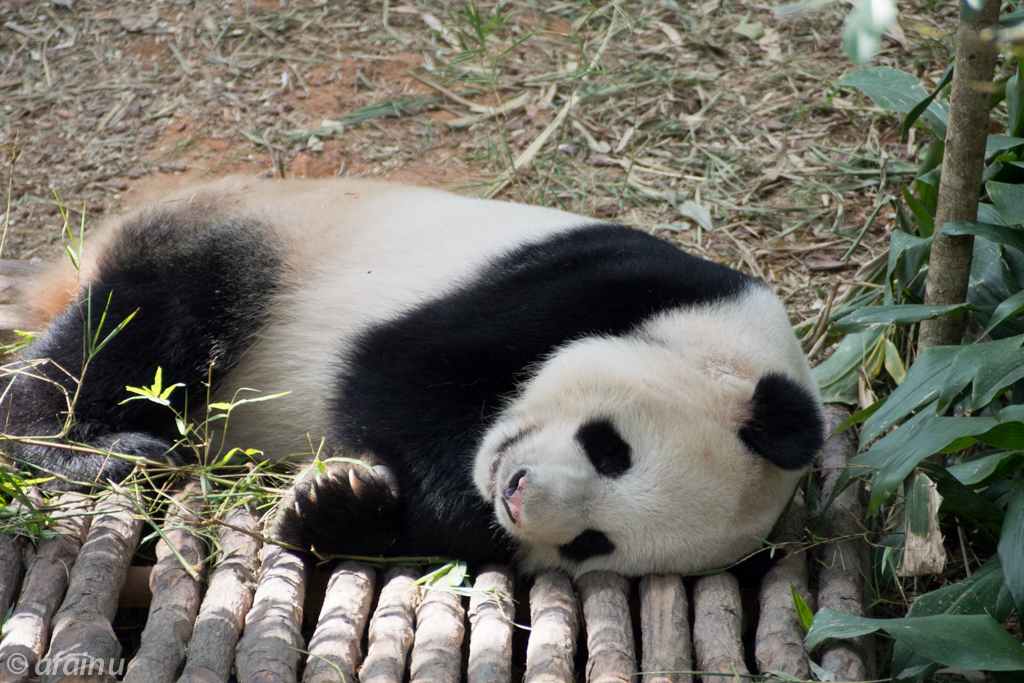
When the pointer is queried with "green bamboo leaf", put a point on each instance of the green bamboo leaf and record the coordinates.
(1011, 544)
(924, 379)
(803, 610)
(1008, 199)
(837, 376)
(965, 641)
(925, 220)
(894, 364)
(894, 90)
(1007, 309)
(921, 106)
(983, 592)
(989, 366)
(1000, 234)
(997, 464)
(897, 314)
(917, 504)
(896, 455)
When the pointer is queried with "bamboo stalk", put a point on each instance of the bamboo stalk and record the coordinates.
(779, 642)
(717, 624)
(46, 581)
(83, 640)
(554, 623)
(665, 629)
(437, 646)
(490, 618)
(228, 598)
(334, 650)
(175, 589)
(269, 649)
(391, 629)
(840, 581)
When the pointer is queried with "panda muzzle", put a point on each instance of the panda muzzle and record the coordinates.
(513, 496)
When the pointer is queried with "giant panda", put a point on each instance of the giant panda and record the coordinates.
(483, 380)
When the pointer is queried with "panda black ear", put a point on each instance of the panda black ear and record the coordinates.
(785, 424)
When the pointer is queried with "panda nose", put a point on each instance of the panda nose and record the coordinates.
(513, 497)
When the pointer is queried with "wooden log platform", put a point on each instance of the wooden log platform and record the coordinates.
(236, 609)
(239, 611)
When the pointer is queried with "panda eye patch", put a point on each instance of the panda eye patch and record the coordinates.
(607, 451)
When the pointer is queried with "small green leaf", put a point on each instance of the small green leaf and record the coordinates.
(925, 220)
(918, 494)
(802, 610)
(894, 364)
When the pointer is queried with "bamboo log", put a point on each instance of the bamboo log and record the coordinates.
(554, 623)
(175, 593)
(83, 640)
(717, 624)
(665, 629)
(46, 581)
(612, 654)
(268, 651)
(391, 629)
(779, 643)
(840, 582)
(437, 645)
(334, 650)
(490, 618)
(228, 598)
(11, 562)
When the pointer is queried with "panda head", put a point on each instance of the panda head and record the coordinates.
(637, 455)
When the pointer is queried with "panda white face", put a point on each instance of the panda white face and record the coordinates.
(624, 454)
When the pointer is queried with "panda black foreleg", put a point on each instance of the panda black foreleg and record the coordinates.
(347, 508)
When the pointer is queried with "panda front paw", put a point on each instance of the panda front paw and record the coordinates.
(347, 509)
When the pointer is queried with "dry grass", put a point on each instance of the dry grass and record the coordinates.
(715, 125)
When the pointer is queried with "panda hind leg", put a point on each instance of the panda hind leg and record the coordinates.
(345, 508)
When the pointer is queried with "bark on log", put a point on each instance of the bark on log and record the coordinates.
(665, 629)
(175, 593)
(718, 625)
(554, 624)
(228, 598)
(612, 653)
(949, 264)
(490, 618)
(840, 583)
(391, 629)
(82, 634)
(269, 649)
(334, 650)
(46, 581)
(11, 562)
(437, 646)
(779, 643)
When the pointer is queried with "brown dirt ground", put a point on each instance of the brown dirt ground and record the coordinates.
(103, 104)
